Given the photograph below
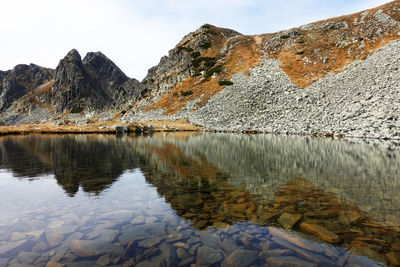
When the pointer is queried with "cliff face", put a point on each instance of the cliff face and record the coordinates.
(31, 93)
(21, 80)
(94, 83)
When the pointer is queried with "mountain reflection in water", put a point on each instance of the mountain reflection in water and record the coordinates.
(344, 193)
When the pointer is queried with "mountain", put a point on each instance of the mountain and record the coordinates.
(30, 93)
(337, 76)
(91, 84)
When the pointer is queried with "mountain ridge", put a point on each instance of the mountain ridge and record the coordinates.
(210, 62)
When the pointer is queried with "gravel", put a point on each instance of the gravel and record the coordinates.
(362, 100)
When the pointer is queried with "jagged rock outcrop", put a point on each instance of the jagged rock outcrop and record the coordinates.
(31, 93)
(21, 80)
(91, 84)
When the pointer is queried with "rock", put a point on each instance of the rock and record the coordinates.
(150, 220)
(287, 220)
(54, 238)
(168, 254)
(209, 240)
(138, 220)
(207, 256)
(9, 246)
(320, 231)
(240, 257)
(275, 253)
(104, 260)
(17, 236)
(181, 245)
(228, 246)
(186, 261)
(3, 262)
(88, 248)
(289, 261)
(121, 129)
(349, 217)
(134, 233)
(27, 257)
(150, 242)
(393, 258)
(54, 264)
(106, 236)
(94, 81)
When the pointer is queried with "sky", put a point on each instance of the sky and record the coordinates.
(135, 34)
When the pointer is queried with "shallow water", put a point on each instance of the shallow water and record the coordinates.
(205, 199)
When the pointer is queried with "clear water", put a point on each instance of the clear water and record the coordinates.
(205, 199)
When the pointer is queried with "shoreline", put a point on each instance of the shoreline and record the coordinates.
(161, 126)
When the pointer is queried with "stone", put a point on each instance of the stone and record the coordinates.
(105, 235)
(54, 238)
(150, 220)
(275, 253)
(89, 248)
(129, 263)
(228, 246)
(3, 262)
(150, 242)
(27, 257)
(393, 258)
(240, 257)
(186, 261)
(181, 245)
(17, 236)
(138, 220)
(287, 220)
(349, 217)
(182, 253)
(207, 256)
(289, 261)
(209, 240)
(9, 246)
(320, 231)
(104, 260)
(53, 263)
(168, 254)
(134, 233)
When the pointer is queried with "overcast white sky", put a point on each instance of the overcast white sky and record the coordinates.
(135, 34)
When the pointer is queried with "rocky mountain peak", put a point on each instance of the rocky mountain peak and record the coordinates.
(94, 83)
(72, 56)
(99, 65)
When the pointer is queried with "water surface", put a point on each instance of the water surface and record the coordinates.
(206, 199)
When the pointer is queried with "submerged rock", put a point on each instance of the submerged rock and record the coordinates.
(88, 248)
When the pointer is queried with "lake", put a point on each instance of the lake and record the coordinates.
(177, 199)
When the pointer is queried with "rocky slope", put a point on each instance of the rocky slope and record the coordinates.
(32, 93)
(338, 76)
